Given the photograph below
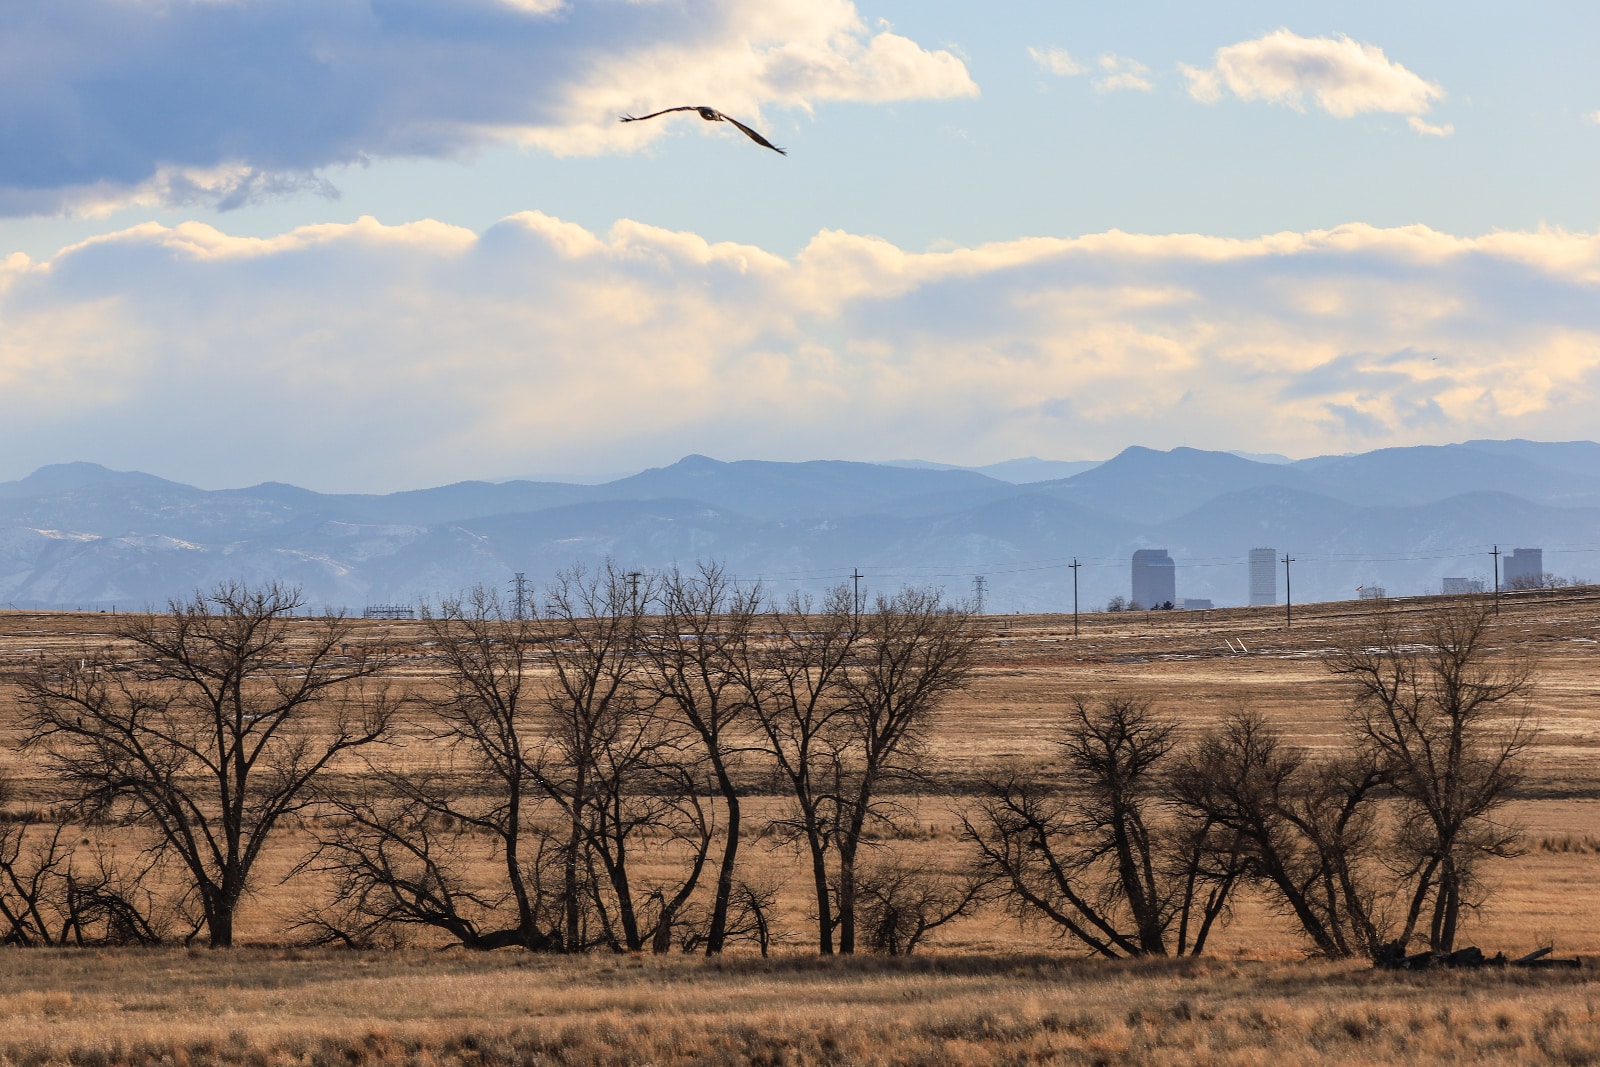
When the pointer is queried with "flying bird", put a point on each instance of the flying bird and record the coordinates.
(711, 114)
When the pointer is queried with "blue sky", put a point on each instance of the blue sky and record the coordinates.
(375, 245)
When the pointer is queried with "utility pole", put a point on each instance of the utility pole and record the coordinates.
(633, 577)
(1075, 566)
(1496, 554)
(519, 597)
(1288, 594)
(856, 576)
(980, 586)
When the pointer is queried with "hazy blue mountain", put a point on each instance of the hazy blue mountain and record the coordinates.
(1016, 471)
(1575, 457)
(792, 490)
(58, 478)
(1144, 485)
(1425, 473)
(166, 508)
(80, 535)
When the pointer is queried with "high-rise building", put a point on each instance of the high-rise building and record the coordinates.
(1154, 578)
(1263, 577)
(1522, 568)
(1462, 586)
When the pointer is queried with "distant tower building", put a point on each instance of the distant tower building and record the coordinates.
(1523, 569)
(1154, 578)
(1462, 586)
(1263, 577)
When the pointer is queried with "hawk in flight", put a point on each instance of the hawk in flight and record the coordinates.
(711, 114)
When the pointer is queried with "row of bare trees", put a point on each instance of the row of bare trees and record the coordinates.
(584, 777)
(1135, 845)
(602, 750)
(561, 781)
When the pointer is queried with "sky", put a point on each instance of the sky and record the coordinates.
(368, 245)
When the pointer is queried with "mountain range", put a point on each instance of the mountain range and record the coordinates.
(80, 535)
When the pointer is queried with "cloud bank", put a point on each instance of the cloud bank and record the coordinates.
(1341, 76)
(377, 357)
(109, 102)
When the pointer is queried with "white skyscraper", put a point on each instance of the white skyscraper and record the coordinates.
(1263, 577)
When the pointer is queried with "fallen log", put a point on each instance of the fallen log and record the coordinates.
(1540, 959)
(1393, 957)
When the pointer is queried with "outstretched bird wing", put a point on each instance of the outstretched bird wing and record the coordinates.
(653, 114)
(754, 136)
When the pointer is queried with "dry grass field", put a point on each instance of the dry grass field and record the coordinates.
(264, 1006)
(985, 990)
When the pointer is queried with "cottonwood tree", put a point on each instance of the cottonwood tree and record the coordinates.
(1305, 831)
(899, 903)
(844, 700)
(622, 772)
(569, 773)
(795, 684)
(911, 652)
(401, 848)
(1446, 720)
(698, 641)
(208, 724)
(1096, 849)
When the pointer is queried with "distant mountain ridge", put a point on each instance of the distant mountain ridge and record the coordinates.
(81, 535)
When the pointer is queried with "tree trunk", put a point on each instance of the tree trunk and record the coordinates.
(730, 851)
(819, 878)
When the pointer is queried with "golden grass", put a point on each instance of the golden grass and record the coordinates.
(263, 1006)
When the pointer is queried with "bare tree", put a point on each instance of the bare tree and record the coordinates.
(752, 918)
(795, 683)
(618, 768)
(900, 904)
(844, 700)
(569, 776)
(911, 653)
(1098, 853)
(1303, 830)
(400, 848)
(400, 852)
(1445, 717)
(211, 730)
(695, 651)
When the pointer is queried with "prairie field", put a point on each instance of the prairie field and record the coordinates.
(985, 989)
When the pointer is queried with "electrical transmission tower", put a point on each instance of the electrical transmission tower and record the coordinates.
(980, 590)
(519, 597)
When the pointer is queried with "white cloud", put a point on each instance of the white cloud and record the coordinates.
(1594, 117)
(1428, 129)
(1057, 61)
(373, 356)
(106, 102)
(1112, 72)
(1342, 76)
(1120, 72)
